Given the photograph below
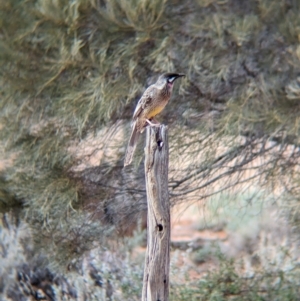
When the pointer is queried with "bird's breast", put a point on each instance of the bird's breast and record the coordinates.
(155, 110)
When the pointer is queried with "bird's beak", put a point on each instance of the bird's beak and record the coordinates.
(177, 76)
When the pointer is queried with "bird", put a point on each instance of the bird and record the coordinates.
(152, 102)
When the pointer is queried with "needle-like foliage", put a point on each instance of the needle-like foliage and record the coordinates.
(72, 71)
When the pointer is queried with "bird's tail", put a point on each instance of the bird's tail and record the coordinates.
(131, 144)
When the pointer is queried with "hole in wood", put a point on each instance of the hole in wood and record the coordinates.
(160, 227)
(160, 144)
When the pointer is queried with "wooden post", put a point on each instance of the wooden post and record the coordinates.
(157, 262)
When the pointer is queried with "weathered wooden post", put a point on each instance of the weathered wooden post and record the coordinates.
(157, 262)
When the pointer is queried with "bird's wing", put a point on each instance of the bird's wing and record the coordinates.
(143, 102)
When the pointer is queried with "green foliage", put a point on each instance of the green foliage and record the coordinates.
(138, 16)
(25, 274)
(72, 69)
(228, 283)
(266, 264)
(239, 213)
(203, 255)
(115, 271)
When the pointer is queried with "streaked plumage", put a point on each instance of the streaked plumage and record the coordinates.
(152, 102)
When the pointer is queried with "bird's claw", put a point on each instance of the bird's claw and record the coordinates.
(152, 124)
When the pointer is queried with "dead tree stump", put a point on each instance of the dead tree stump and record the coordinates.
(157, 262)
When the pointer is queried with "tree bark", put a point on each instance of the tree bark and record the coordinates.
(157, 262)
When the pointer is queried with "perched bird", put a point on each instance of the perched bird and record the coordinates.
(152, 102)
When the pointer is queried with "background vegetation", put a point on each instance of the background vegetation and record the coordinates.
(71, 74)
